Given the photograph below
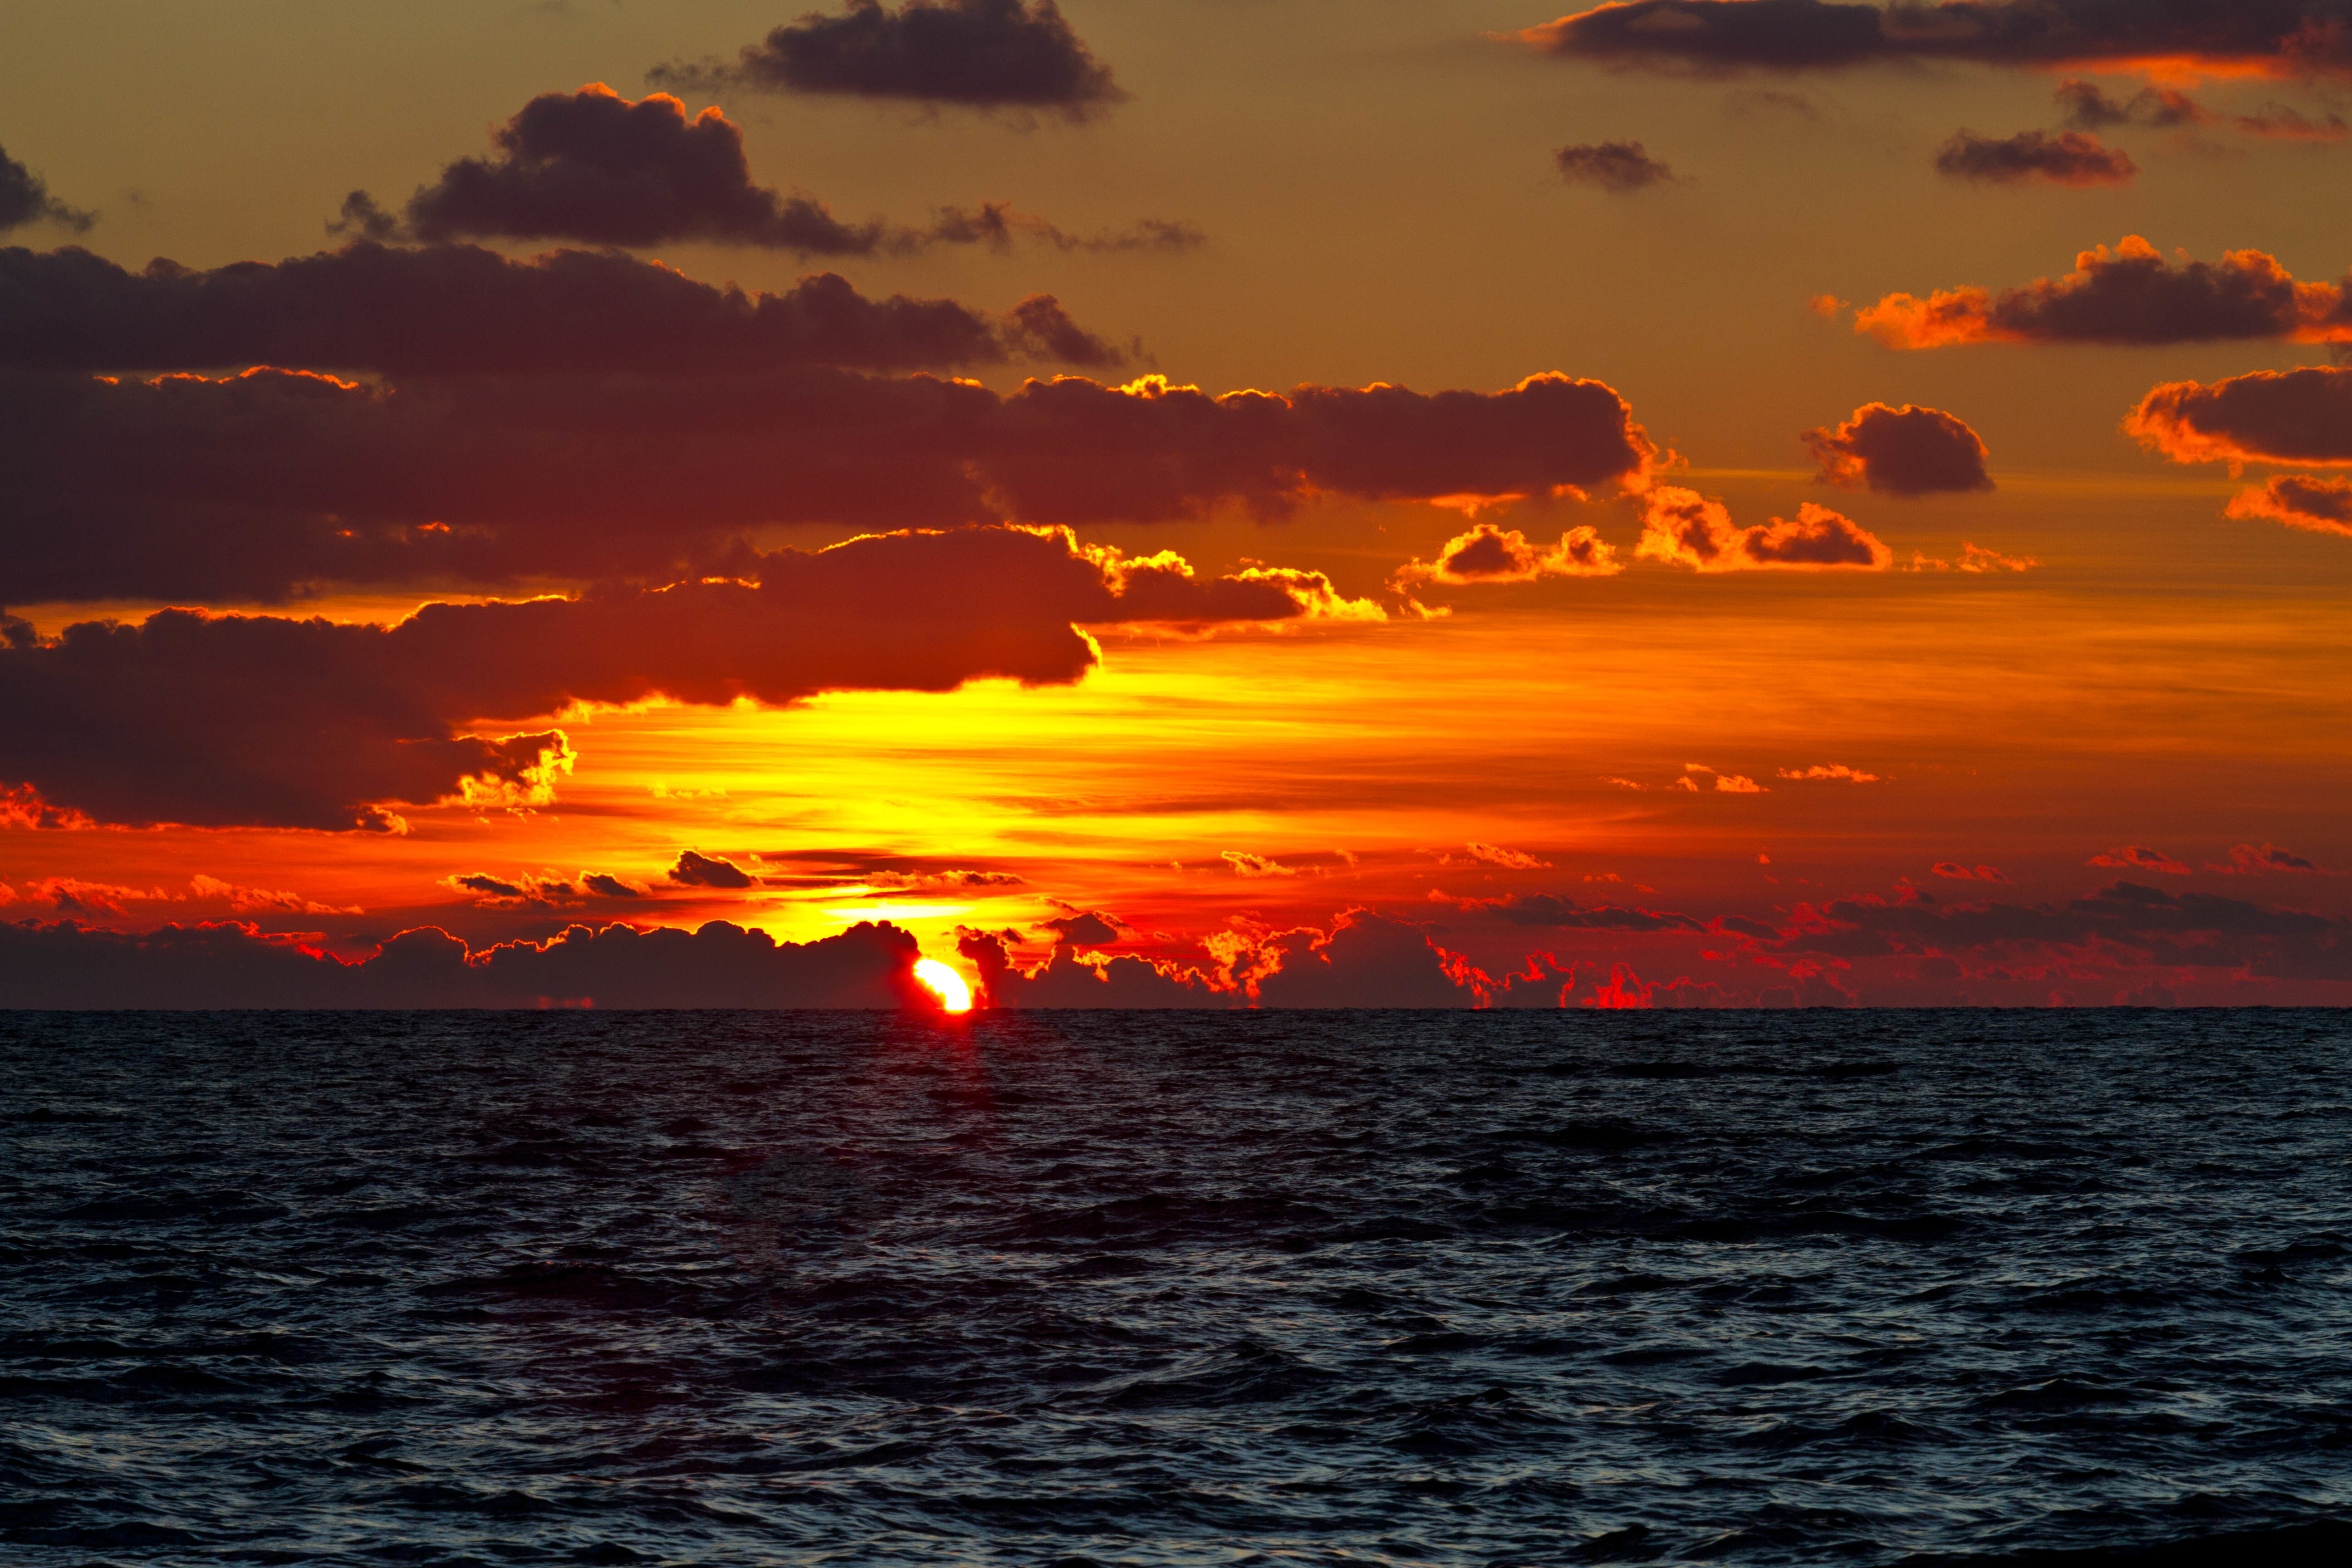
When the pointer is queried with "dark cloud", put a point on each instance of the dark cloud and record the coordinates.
(233, 964)
(2281, 38)
(996, 225)
(2131, 294)
(1066, 980)
(1906, 451)
(25, 199)
(247, 721)
(2140, 857)
(694, 871)
(1550, 909)
(189, 490)
(1620, 166)
(457, 310)
(2298, 500)
(2089, 109)
(606, 886)
(1683, 528)
(2069, 158)
(973, 54)
(1365, 960)
(2281, 123)
(2268, 416)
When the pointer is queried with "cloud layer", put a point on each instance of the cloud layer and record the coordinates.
(1906, 451)
(973, 54)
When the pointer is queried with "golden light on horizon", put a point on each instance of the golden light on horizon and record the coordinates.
(953, 992)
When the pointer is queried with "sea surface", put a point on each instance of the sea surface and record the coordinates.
(1169, 1289)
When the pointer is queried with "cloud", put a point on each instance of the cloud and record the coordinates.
(459, 309)
(2282, 123)
(2299, 500)
(1828, 771)
(1684, 527)
(260, 900)
(996, 225)
(971, 53)
(2131, 294)
(1488, 554)
(2089, 109)
(1710, 37)
(2071, 158)
(24, 199)
(1550, 910)
(1365, 960)
(233, 964)
(1958, 872)
(268, 721)
(247, 488)
(1621, 167)
(2140, 857)
(2251, 860)
(2268, 416)
(608, 887)
(1065, 979)
(1245, 864)
(1906, 451)
(695, 870)
(1508, 859)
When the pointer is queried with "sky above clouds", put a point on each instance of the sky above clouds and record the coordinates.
(1686, 502)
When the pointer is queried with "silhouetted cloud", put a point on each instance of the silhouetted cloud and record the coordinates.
(25, 199)
(2140, 857)
(2298, 500)
(696, 871)
(252, 720)
(233, 964)
(1954, 869)
(973, 54)
(1620, 166)
(445, 309)
(2069, 158)
(1906, 451)
(1067, 980)
(1683, 528)
(2252, 860)
(1550, 909)
(2131, 294)
(2280, 38)
(2268, 416)
(2089, 109)
(187, 489)
(1365, 960)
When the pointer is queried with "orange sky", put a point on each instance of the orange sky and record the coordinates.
(2034, 712)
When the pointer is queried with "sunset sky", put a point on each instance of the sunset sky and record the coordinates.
(1177, 502)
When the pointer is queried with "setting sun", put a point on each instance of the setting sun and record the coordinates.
(954, 993)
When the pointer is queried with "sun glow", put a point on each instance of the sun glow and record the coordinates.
(955, 996)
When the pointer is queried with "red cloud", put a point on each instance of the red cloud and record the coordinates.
(2247, 859)
(1684, 527)
(1958, 872)
(2127, 295)
(1906, 451)
(2268, 416)
(2324, 506)
(2069, 158)
(2140, 857)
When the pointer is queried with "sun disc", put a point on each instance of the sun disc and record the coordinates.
(954, 995)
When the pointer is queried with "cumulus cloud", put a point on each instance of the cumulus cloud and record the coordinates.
(1365, 960)
(2131, 294)
(25, 199)
(1828, 771)
(2277, 37)
(1906, 451)
(258, 720)
(2268, 416)
(187, 489)
(1488, 553)
(2072, 158)
(234, 964)
(1621, 167)
(2298, 500)
(459, 309)
(2253, 860)
(699, 870)
(2140, 857)
(1508, 859)
(973, 54)
(1068, 978)
(1683, 528)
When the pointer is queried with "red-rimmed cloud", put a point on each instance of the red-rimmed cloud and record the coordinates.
(2268, 416)
(2182, 37)
(1489, 554)
(2140, 857)
(459, 309)
(188, 490)
(1683, 528)
(1905, 451)
(2131, 294)
(2298, 500)
(267, 721)
(2258, 860)
(973, 54)
(2071, 158)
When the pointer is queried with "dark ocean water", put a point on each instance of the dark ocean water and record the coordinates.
(1375, 1287)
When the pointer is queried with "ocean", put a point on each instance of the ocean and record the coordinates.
(1065, 1288)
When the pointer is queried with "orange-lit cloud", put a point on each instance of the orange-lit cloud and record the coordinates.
(1957, 872)
(1906, 451)
(2299, 500)
(1488, 553)
(1684, 527)
(2072, 158)
(2268, 416)
(2130, 294)
(1830, 770)
(2253, 860)
(2140, 857)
